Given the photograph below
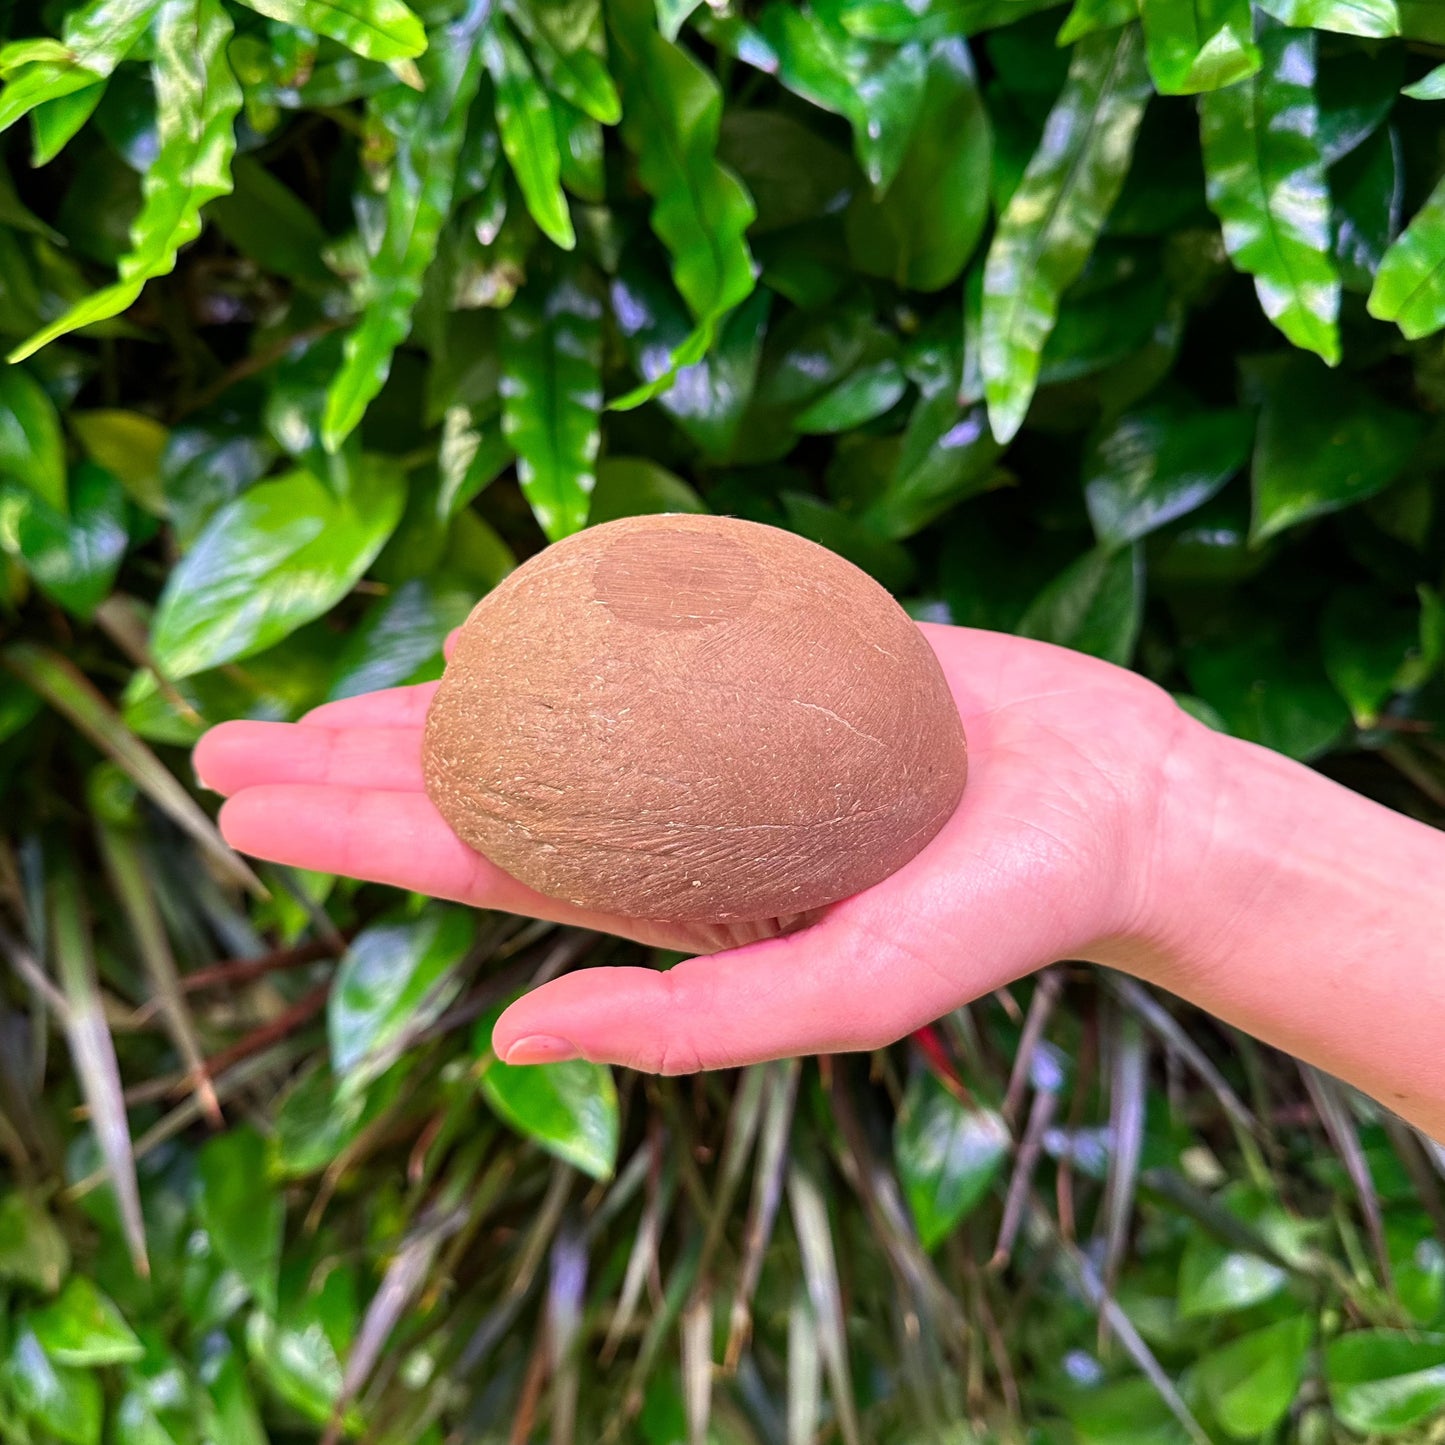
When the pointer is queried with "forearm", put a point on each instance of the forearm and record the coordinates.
(1310, 917)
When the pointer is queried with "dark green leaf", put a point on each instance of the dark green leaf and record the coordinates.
(31, 448)
(552, 400)
(870, 391)
(1367, 638)
(569, 1109)
(428, 129)
(1410, 285)
(1386, 1380)
(242, 1211)
(1048, 230)
(636, 487)
(395, 979)
(921, 230)
(375, 29)
(1095, 605)
(72, 558)
(64, 1402)
(948, 1155)
(277, 557)
(266, 221)
(1369, 187)
(1356, 89)
(197, 99)
(1251, 1382)
(400, 638)
(1324, 442)
(84, 1328)
(792, 173)
(1155, 465)
(1266, 183)
(1197, 45)
(880, 557)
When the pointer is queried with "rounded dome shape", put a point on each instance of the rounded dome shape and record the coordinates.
(694, 719)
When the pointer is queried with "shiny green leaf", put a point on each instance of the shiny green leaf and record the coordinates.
(1325, 441)
(278, 556)
(1251, 1382)
(33, 1251)
(429, 129)
(1428, 87)
(1215, 1279)
(66, 1403)
(1089, 17)
(636, 487)
(395, 979)
(671, 114)
(32, 450)
(1157, 464)
(374, 29)
(1356, 89)
(923, 228)
(298, 1350)
(552, 399)
(84, 1328)
(129, 446)
(567, 43)
(1368, 640)
(569, 1109)
(400, 638)
(242, 1212)
(1050, 225)
(95, 39)
(529, 137)
(1197, 45)
(1410, 285)
(1095, 605)
(862, 395)
(1266, 183)
(1376, 19)
(197, 99)
(948, 1154)
(1386, 1380)
(74, 558)
(1368, 187)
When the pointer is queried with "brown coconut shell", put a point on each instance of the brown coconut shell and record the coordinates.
(694, 720)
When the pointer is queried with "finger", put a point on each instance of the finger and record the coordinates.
(239, 755)
(392, 707)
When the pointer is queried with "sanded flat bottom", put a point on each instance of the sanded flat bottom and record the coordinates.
(716, 937)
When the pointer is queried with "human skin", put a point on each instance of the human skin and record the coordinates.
(1100, 822)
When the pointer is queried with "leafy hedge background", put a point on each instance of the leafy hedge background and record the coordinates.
(1112, 325)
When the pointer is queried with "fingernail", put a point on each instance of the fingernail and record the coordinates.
(541, 1049)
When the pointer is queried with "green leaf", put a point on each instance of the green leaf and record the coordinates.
(84, 1328)
(1251, 1382)
(65, 1402)
(94, 40)
(1410, 285)
(636, 487)
(1368, 188)
(1050, 225)
(1215, 1279)
(429, 129)
(268, 223)
(242, 1210)
(1369, 641)
(1324, 442)
(552, 399)
(275, 558)
(948, 1155)
(862, 395)
(1125, 1412)
(1089, 17)
(1198, 45)
(1265, 181)
(1371, 18)
(32, 450)
(1386, 1380)
(33, 1251)
(129, 446)
(197, 98)
(74, 558)
(878, 90)
(567, 43)
(395, 979)
(298, 1350)
(882, 558)
(671, 114)
(1428, 87)
(1157, 464)
(792, 173)
(921, 231)
(374, 29)
(1270, 692)
(1095, 605)
(400, 638)
(529, 137)
(569, 1109)
(55, 123)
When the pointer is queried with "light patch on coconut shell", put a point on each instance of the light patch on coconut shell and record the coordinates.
(694, 720)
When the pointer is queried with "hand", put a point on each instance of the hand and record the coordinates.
(1053, 853)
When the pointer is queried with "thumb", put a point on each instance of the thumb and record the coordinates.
(828, 989)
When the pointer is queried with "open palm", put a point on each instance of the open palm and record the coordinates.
(1052, 853)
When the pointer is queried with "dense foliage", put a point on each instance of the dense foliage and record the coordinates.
(1117, 324)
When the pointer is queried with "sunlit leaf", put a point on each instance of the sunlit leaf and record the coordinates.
(1386, 1380)
(376, 29)
(32, 451)
(84, 1328)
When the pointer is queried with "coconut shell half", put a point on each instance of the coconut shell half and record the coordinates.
(694, 720)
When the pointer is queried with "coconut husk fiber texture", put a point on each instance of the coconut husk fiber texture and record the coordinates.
(694, 720)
